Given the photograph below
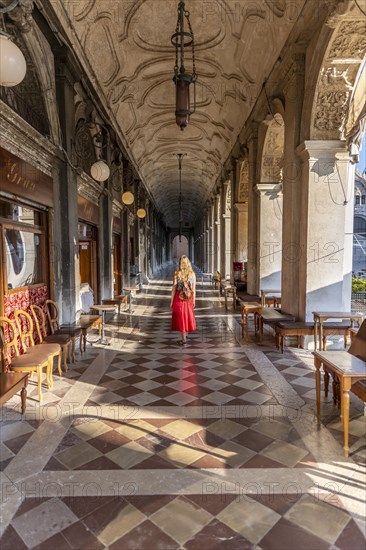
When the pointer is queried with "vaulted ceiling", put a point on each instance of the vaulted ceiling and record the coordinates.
(126, 50)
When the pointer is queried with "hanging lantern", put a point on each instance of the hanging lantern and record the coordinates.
(182, 39)
(100, 171)
(12, 62)
(141, 213)
(128, 198)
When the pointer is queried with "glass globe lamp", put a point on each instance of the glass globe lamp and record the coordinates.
(100, 171)
(141, 213)
(128, 198)
(12, 63)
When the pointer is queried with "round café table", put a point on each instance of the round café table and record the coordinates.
(129, 290)
(103, 308)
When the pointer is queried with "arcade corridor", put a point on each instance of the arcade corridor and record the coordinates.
(145, 445)
(135, 132)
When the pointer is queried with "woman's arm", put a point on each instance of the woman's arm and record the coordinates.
(174, 288)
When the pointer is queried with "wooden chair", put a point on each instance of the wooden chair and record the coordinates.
(216, 280)
(63, 340)
(35, 361)
(74, 331)
(27, 340)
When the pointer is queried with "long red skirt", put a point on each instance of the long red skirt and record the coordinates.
(183, 318)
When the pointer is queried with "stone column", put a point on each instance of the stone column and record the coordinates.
(270, 235)
(227, 249)
(253, 215)
(326, 222)
(125, 248)
(292, 187)
(67, 277)
(217, 234)
(210, 240)
(105, 248)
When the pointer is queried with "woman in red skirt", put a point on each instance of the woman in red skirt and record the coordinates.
(183, 299)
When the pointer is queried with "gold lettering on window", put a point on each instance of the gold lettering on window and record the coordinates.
(14, 177)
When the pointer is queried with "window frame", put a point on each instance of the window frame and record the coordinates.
(41, 230)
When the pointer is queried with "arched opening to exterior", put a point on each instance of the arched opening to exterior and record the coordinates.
(180, 247)
(270, 204)
(334, 117)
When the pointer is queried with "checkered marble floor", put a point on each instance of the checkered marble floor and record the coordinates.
(145, 445)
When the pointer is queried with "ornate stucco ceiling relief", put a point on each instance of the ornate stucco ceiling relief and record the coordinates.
(125, 47)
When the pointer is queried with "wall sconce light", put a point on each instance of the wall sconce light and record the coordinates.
(13, 66)
(182, 39)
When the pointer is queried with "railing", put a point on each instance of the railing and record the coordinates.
(358, 301)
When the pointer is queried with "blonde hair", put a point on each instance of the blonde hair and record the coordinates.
(185, 270)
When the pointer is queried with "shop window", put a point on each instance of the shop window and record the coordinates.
(24, 244)
(23, 258)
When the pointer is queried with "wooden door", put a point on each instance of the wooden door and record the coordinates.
(85, 259)
(117, 265)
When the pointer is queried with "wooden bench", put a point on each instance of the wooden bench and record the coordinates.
(300, 328)
(270, 316)
(296, 328)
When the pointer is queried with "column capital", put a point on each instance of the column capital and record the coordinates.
(270, 188)
(241, 206)
(326, 149)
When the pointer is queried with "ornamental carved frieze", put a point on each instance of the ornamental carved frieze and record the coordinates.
(272, 159)
(244, 182)
(22, 15)
(131, 219)
(88, 188)
(228, 200)
(350, 42)
(332, 100)
(84, 150)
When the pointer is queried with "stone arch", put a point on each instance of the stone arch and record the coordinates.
(334, 106)
(180, 246)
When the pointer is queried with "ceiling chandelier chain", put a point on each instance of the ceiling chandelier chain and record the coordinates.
(183, 38)
(180, 157)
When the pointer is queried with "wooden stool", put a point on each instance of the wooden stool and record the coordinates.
(246, 309)
(230, 290)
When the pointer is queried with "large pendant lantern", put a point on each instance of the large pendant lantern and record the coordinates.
(182, 39)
